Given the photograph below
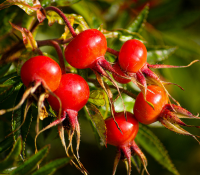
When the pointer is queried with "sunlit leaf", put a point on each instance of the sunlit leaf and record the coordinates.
(128, 101)
(28, 38)
(97, 97)
(27, 5)
(138, 23)
(155, 148)
(31, 163)
(46, 3)
(157, 53)
(98, 121)
(121, 34)
(51, 167)
(11, 159)
(73, 18)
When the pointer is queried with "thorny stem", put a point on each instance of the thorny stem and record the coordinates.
(112, 51)
(62, 15)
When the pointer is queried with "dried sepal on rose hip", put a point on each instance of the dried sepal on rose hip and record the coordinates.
(132, 59)
(167, 114)
(124, 139)
(73, 92)
(120, 72)
(41, 75)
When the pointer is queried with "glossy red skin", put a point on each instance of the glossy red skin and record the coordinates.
(85, 48)
(129, 129)
(73, 92)
(132, 56)
(41, 68)
(143, 112)
(120, 72)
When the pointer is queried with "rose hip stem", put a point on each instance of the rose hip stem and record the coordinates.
(62, 15)
(112, 51)
(58, 50)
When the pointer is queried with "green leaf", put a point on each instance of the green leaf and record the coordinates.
(51, 167)
(46, 3)
(4, 69)
(7, 77)
(7, 16)
(97, 97)
(7, 42)
(128, 102)
(11, 159)
(31, 163)
(97, 121)
(182, 20)
(90, 12)
(121, 34)
(136, 162)
(17, 116)
(154, 147)
(186, 46)
(10, 83)
(138, 23)
(158, 53)
(6, 144)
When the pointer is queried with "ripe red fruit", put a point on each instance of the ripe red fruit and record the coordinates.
(132, 56)
(124, 141)
(41, 69)
(120, 72)
(145, 113)
(132, 59)
(128, 127)
(73, 93)
(85, 49)
(167, 114)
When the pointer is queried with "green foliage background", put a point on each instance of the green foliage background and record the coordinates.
(169, 23)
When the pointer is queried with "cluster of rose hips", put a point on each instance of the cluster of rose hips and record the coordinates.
(67, 93)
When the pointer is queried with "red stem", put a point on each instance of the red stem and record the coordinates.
(112, 51)
(62, 15)
(58, 50)
(60, 55)
(59, 41)
(34, 26)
